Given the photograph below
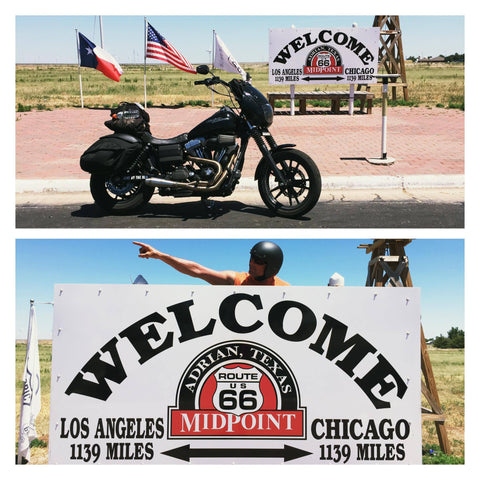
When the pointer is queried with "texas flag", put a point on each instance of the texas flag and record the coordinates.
(96, 57)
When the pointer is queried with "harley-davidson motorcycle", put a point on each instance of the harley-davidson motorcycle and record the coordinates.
(127, 166)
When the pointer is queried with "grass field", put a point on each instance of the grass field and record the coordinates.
(448, 368)
(46, 87)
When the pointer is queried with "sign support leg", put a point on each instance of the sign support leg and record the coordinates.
(292, 100)
(383, 159)
(351, 99)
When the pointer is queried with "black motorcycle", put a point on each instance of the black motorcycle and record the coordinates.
(127, 166)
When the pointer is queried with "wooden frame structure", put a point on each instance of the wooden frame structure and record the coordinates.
(388, 267)
(390, 54)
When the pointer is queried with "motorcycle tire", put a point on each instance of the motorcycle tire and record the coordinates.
(117, 196)
(303, 183)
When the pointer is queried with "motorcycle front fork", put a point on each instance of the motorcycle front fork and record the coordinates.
(266, 150)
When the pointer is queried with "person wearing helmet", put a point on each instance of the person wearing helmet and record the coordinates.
(266, 259)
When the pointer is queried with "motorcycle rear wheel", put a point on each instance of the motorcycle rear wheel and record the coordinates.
(303, 183)
(117, 196)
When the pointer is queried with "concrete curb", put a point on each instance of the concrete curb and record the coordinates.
(328, 183)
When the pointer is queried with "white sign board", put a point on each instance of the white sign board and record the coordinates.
(323, 56)
(155, 374)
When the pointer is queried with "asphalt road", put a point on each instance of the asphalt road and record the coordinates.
(234, 213)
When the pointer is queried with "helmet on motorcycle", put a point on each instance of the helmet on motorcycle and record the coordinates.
(271, 254)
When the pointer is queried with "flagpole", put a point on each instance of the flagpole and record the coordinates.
(213, 56)
(79, 72)
(213, 49)
(101, 30)
(145, 60)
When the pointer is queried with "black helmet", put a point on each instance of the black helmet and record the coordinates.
(271, 254)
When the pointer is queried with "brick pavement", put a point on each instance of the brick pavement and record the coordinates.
(422, 141)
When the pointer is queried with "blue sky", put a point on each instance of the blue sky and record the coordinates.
(51, 38)
(437, 267)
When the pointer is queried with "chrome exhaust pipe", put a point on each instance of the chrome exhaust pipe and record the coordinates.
(160, 182)
(200, 186)
(196, 187)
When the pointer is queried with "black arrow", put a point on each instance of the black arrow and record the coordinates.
(316, 79)
(186, 453)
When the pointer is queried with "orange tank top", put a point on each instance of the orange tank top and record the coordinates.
(246, 279)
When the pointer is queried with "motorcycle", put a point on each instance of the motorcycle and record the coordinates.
(126, 168)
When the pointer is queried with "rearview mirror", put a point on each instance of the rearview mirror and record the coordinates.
(203, 69)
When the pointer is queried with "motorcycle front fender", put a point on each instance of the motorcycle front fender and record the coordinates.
(284, 146)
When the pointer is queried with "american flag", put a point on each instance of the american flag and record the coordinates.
(158, 47)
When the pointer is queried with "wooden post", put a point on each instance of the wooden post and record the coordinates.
(388, 266)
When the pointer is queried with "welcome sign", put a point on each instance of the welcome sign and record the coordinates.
(323, 56)
(152, 374)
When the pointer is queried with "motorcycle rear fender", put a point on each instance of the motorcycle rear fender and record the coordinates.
(284, 146)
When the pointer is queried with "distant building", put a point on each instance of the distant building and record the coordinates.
(431, 59)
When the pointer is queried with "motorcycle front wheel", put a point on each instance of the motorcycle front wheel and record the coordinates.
(302, 187)
(118, 196)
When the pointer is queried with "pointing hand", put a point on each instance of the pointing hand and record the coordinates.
(146, 251)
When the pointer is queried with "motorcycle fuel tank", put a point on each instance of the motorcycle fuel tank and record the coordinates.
(224, 121)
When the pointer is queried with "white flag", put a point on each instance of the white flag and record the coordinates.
(224, 60)
(31, 398)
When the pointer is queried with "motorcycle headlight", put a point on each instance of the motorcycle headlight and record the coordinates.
(268, 114)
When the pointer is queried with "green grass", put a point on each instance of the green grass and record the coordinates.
(449, 370)
(432, 455)
(57, 86)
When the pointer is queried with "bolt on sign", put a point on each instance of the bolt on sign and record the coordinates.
(323, 55)
(153, 374)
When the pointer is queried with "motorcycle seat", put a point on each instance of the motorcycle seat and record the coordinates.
(166, 141)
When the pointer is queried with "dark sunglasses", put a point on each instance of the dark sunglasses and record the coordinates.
(258, 261)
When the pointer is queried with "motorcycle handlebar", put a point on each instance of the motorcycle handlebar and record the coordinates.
(209, 81)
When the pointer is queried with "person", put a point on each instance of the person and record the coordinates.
(336, 280)
(266, 259)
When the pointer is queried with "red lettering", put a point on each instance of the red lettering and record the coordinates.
(198, 423)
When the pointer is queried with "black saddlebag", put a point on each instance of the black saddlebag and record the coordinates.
(111, 154)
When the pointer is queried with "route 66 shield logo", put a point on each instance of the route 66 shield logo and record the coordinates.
(238, 390)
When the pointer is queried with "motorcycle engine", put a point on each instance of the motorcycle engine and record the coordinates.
(219, 148)
(196, 148)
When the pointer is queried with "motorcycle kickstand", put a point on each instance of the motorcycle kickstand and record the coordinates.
(209, 206)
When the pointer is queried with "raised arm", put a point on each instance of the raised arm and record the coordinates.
(188, 267)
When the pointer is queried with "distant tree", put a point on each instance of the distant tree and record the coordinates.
(441, 342)
(455, 339)
(456, 57)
